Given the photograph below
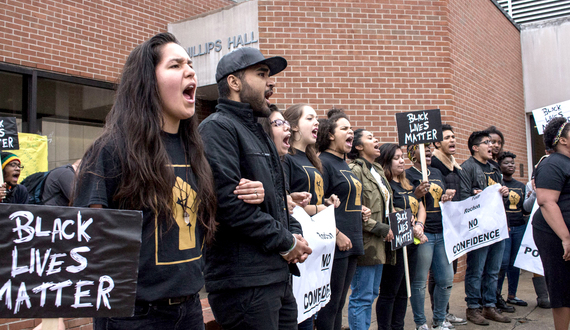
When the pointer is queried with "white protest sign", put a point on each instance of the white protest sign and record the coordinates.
(473, 223)
(545, 114)
(312, 289)
(528, 257)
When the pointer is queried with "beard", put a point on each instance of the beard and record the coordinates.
(255, 99)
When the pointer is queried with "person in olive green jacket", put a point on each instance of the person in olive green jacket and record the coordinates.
(376, 195)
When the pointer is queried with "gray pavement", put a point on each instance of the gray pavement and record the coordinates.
(530, 317)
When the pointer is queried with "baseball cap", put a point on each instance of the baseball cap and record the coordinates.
(245, 57)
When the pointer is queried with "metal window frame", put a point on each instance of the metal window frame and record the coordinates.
(30, 90)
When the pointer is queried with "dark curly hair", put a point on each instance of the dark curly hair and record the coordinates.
(328, 126)
(551, 130)
(475, 138)
(504, 155)
(355, 153)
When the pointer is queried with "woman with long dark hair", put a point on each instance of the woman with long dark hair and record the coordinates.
(150, 157)
(302, 166)
(377, 196)
(393, 298)
(334, 141)
(551, 223)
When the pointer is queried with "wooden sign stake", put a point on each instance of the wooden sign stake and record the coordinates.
(423, 161)
(407, 271)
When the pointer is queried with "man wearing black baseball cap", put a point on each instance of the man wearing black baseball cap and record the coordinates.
(247, 266)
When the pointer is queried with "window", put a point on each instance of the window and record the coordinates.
(71, 116)
(69, 110)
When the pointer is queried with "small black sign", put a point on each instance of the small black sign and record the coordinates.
(419, 127)
(9, 134)
(68, 261)
(401, 225)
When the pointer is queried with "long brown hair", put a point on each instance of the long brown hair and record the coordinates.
(292, 115)
(387, 153)
(134, 128)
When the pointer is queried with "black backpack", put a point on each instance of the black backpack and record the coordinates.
(35, 185)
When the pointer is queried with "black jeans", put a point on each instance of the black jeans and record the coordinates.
(393, 298)
(149, 316)
(330, 316)
(268, 307)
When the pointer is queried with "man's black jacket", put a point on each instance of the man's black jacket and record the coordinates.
(249, 237)
(473, 178)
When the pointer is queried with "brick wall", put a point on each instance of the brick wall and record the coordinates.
(372, 58)
(90, 39)
(375, 59)
(487, 82)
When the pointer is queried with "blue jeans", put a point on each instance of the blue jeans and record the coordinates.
(431, 254)
(512, 245)
(481, 275)
(184, 316)
(365, 285)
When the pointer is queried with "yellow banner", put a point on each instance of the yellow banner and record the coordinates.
(33, 154)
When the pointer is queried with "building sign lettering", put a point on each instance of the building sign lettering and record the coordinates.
(232, 43)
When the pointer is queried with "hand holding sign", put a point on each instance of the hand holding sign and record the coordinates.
(401, 226)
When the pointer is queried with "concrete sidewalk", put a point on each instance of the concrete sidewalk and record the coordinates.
(530, 317)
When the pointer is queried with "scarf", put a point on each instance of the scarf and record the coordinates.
(448, 161)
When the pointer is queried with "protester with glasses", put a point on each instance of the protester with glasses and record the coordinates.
(483, 264)
(551, 223)
(432, 254)
(10, 190)
(279, 130)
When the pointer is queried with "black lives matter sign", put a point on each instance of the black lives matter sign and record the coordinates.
(419, 127)
(68, 261)
(401, 225)
(9, 134)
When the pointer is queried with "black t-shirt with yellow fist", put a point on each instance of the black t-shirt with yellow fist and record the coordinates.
(514, 204)
(432, 199)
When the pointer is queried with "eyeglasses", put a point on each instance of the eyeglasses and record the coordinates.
(280, 122)
(487, 142)
(16, 165)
